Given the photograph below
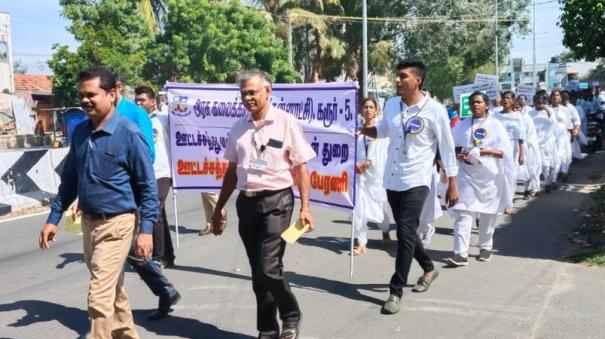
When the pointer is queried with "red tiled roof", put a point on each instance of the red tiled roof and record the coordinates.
(31, 82)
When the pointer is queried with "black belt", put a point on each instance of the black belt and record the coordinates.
(263, 193)
(103, 216)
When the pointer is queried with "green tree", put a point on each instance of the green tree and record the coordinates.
(597, 73)
(327, 39)
(583, 23)
(567, 56)
(111, 33)
(462, 44)
(207, 41)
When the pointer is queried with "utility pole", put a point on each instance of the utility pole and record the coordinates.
(289, 38)
(496, 31)
(534, 49)
(364, 52)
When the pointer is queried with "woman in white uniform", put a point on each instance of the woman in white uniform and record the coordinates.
(484, 148)
(515, 128)
(530, 171)
(546, 126)
(564, 132)
(576, 152)
(371, 203)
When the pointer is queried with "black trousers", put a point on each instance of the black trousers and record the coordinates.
(261, 222)
(406, 207)
(162, 242)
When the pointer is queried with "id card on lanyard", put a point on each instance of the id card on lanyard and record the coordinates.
(258, 163)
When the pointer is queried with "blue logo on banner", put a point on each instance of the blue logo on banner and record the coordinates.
(179, 106)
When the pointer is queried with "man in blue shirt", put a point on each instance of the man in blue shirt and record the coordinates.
(137, 115)
(109, 168)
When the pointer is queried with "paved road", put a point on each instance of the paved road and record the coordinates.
(526, 291)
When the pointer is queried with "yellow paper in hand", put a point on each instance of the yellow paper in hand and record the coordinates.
(73, 226)
(294, 231)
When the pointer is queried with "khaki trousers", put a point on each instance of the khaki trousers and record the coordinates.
(209, 201)
(106, 246)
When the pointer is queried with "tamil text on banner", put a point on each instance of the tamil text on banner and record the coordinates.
(201, 116)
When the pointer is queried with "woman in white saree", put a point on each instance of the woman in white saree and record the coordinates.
(546, 126)
(529, 172)
(515, 128)
(485, 153)
(563, 133)
(371, 202)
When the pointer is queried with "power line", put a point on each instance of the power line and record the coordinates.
(31, 55)
(411, 19)
(545, 2)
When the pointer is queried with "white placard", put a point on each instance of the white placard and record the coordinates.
(491, 79)
(470, 88)
(528, 91)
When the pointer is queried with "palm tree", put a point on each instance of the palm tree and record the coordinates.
(153, 10)
(315, 40)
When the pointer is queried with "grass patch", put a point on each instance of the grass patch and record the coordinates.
(589, 229)
(589, 237)
(590, 258)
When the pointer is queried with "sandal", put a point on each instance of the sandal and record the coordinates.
(208, 229)
(359, 250)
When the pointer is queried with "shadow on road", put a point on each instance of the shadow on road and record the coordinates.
(343, 289)
(198, 269)
(69, 258)
(347, 290)
(183, 327)
(183, 229)
(41, 311)
(333, 244)
(540, 230)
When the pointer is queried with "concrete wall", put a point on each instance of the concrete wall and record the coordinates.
(29, 178)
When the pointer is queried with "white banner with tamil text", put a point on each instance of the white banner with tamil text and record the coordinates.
(201, 116)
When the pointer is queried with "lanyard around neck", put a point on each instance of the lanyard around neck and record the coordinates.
(405, 126)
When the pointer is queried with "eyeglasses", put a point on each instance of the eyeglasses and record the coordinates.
(251, 93)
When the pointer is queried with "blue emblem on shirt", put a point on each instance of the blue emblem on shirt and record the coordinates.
(415, 125)
(480, 133)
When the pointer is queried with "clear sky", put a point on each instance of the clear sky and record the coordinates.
(37, 25)
(549, 36)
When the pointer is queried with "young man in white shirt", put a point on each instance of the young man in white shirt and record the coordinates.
(416, 129)
(163, 251)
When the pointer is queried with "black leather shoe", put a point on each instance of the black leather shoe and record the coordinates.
(290, 330)
(158, 315)
(165, 306)
(272, 335)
